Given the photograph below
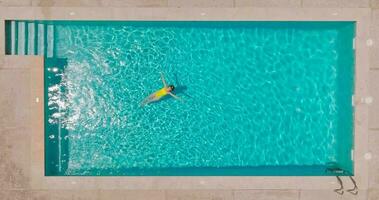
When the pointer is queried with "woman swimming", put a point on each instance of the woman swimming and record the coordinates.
(166, 90)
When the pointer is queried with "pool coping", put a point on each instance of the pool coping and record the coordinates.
(362, 17)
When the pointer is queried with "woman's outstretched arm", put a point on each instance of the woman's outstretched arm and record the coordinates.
(163, 80)
(176, 97)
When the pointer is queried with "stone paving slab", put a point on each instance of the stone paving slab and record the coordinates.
(201, 3)
(13, 62)
(331, 195)
(136, 3)
(172, 13)
(374, 4)
(132, 194)
(374, 49)
(374, 159)
(96, 195)
(199, 195)
(266, 195)
(373, 194)
(374, 93)
(15, 3)
(2, 41)
(362, 195)
(318, 195)
(14, 125)
(14, 98)
(67, 195)
(49, 3)
(99, 3)
(268, 3)
(321, 3)
(337, 3)
(14, 195)
(14, 158)
(355, 3)
(195, 3)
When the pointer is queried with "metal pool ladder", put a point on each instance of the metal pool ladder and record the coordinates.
(353, 191)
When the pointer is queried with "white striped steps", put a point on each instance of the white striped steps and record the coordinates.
(31, 38)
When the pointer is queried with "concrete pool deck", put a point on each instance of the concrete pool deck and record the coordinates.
(21, 113)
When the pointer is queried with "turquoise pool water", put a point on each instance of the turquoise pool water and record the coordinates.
(259, 98)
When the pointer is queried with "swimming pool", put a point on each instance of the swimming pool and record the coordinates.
(259, 98)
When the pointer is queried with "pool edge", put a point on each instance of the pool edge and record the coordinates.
(361, 16)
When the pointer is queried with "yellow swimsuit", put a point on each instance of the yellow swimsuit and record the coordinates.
(161, 93)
